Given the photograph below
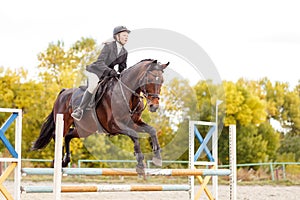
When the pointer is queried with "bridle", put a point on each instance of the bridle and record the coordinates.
(144, 81)
(157, 85)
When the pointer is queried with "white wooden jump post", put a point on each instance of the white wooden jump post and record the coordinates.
(213, 157)
(59, 128)
(15, 161)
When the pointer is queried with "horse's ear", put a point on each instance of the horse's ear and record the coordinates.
(152, 64)
(164, 66)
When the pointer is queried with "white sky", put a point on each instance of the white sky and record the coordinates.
(250, 39)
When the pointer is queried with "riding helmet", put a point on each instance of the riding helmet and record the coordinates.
(120, 29)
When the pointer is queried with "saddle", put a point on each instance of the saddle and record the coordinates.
(97, 95)
(89, 122)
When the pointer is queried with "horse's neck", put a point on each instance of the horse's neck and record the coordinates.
(132, 79)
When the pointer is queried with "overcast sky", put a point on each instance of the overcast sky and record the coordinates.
(249, 39)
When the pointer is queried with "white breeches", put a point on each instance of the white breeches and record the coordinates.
(92, 81)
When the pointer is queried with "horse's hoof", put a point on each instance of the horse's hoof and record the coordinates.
(66, 161)
(64, 164)
(157, 161)
(140, 170)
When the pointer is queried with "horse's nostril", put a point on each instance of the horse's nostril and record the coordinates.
(153, 107)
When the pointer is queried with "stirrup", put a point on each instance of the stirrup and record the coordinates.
(77, 114)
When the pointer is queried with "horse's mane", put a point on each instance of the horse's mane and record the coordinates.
(136, 65)
(147, 59)
(144, 60)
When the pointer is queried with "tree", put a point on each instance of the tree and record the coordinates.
(251, 147)
(245, 108)
(291, 113)
(249, 104)
(290, 144)
(19, 92)
(178, 103)
(272, 138)
(60, 68)
(283, 105)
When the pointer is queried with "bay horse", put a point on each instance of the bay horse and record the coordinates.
(118, 111)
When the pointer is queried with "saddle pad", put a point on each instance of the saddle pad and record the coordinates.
(77, 96)
(89, 122)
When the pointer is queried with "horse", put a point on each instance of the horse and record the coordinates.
(118, 111)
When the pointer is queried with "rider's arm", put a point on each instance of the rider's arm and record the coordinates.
(103, 57)
(123, 65)
(99, 66)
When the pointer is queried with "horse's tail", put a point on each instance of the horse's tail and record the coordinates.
(46, 134)
(47, 131)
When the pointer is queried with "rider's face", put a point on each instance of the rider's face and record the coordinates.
(123, 37)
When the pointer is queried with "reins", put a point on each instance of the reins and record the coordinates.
(131, 111)
(142, 82)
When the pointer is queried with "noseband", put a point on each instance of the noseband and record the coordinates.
(143, 82)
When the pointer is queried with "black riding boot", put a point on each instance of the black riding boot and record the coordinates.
(77, 113)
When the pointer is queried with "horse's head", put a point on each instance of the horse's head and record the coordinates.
(151, 83)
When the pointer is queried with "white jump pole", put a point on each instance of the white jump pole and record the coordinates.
(58, 156)
(18, 147)
(232, 154)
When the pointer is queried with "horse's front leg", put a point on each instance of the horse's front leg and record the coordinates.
(140, 167)
(157, 160)
(143, 127)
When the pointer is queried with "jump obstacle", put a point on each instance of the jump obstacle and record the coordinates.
(128, 172)
(15, 161)
(106, 188)
(192, 172)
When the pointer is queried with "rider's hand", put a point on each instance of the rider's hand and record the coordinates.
(113, 73)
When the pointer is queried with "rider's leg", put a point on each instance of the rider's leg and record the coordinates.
(77, 113)
(92, 85)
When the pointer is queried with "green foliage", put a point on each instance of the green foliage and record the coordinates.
(283, 105)
(291, 113)
(18, 92)
(178, 98)
(290, 144)
(286, 157)
(60, 67)
(242, 105)
(271, 137)
(248, 104)
(178, 104)
(251, 147)
(207, 95)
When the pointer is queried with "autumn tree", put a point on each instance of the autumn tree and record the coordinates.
(60, 67)
(251, 105)
(244, 107)
(17, 91)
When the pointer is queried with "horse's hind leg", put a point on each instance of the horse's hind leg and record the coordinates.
(69, 136)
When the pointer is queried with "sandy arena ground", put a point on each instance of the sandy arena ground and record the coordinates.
(244, 193)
